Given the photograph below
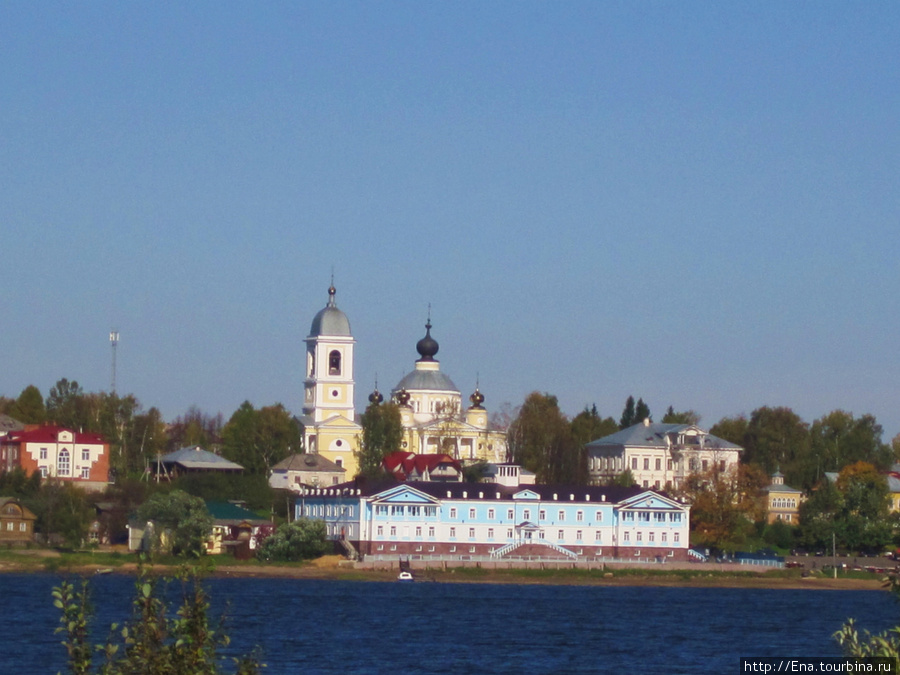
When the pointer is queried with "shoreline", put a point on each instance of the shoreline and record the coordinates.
(329, 570)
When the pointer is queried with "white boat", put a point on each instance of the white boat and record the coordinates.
(405, 576)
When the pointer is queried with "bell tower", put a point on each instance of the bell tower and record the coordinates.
(328, 409)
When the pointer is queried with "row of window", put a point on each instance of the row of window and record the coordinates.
(10, 527)
(784, 503)
(560, 535)
(659, 517)
(326, 511)
(64, 470)
(64, 455)
(617, 464)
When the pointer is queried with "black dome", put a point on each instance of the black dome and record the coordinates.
(427, 346)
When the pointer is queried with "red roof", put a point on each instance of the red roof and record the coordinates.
(402, 464)
(50, 434)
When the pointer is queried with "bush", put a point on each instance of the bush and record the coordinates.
(300, 540)
(153, 642)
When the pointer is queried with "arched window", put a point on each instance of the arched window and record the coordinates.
(63, 464)
(334, 363)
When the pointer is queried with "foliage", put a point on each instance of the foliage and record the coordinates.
(839, 439)
(628, 416)
(588, 426)
(686, 417)
(183, 517)
(195, 427)
(220, 487)
(29, 407)
(779, 534)
(731, 429)
(152, 642)
(724, 505)
(777, 439)
(382, 434)
(885, 645)
(855, 511)
(63, 512)
(624, 479)
(259, 439)
(17, 483)
(301, 539)
(65, 405)
(540, 439)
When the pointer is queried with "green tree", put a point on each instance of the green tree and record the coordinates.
(259, 439)
(777, 439)
(818, 514)
(731, 429)
(863, 523)
(66, 405)
(29, 407)
(541, 440)
(628, 414)
(624, 479)
(301, 539)
(686, 417)
(64, 514)
(155, 640)
(588, 426)
(642, 412)
(382, 434)
(180, 517)
(195, 427)
(838, 439)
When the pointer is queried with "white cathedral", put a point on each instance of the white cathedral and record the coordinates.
(430, 404)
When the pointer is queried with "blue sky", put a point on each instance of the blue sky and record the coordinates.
(692, 203)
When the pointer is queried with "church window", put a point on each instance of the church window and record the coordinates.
(334, 362)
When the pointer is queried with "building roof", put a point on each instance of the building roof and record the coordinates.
(403, 464)
(227, 512)
(308, 462)
(330, 320)
(426, 380)
(564, 493)
(654, 435)
(26, 512)
(195, 457)
(8, 424)
(50, 434)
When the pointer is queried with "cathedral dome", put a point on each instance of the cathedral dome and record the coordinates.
(427, 346)
(426, 380)
(330, 320)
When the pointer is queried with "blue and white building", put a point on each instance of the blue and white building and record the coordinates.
(501, 520)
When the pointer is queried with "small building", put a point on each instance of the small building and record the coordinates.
(310, 469)
(659, 456)
(408, 466)
(782, 501)
(235, 529)
(16, 522)
(58, 453)
(193, 459)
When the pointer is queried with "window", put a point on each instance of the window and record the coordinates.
(560, 534)
(64, 464)
(628, 516)
(510, 514)
(598, 516)
(658, 463)
(674, 517)
(430, 511)
(598, 536)
(380, 547)
(490, 533)
(626, 537)
(644, 516)
(418, 531)
(646, 463)
(471, 533)
(471, 513)
(381, 510)
(471, 549)
(664, 537)
(452, 532)
(430, 531)
(491, 514)
(659, 517)
(579, 516)
(562, 516)
(22, 527)
(509, 533)
(526, 514)
(393, 547)
(640, 537)
(656, 485)
(86, 473)
(9, 526)
(415, 511)
(650, 537)
(634, 463)
(379, 531)
(669, 464)
(578, 535)
(675, 537)
(43, 453)
(334, 362)
(453, 512)
(542, 514)
(85, 455)
(452, 549)
(328, 510)
(396, 510)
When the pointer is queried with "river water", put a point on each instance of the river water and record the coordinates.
(313, 626)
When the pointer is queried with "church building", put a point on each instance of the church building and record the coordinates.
(431, 410)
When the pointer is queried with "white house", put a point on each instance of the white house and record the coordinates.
(659, 456)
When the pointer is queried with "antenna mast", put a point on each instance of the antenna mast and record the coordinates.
(114, 340)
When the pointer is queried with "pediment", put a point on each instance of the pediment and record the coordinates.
(403, 494)
(526, 494)
(652, 501)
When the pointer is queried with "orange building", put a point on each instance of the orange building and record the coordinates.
(61, 454)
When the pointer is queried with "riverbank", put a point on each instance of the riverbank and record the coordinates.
(335, 568)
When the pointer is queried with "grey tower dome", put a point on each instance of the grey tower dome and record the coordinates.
(330, 320)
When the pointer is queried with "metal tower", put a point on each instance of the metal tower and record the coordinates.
(114, 340)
